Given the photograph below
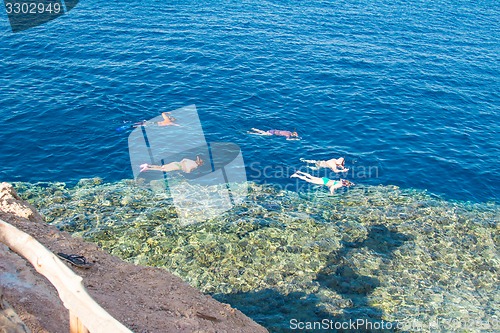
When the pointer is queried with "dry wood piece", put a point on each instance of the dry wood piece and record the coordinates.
(84, 311)
(206, 317)
(75, 325)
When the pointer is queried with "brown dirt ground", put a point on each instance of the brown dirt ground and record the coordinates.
(144, 299)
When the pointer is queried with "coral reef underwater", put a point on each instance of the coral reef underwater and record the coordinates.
(377, 253)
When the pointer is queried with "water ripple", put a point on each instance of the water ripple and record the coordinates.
(411, 86)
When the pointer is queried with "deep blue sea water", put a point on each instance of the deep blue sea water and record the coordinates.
(406, 89)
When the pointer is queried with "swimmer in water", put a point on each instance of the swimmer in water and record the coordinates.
(334, 164)
(289, 135)
(330, 183)
(186, 165)
(168, 120)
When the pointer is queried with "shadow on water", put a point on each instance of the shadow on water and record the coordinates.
(283, 313)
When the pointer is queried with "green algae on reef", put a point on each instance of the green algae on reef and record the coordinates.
(375, 252)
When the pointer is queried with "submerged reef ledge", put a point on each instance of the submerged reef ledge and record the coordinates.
(145, 299)
(373, 253)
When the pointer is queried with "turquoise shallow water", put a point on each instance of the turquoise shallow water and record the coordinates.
(374, 253)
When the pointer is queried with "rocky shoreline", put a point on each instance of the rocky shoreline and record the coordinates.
(144, 299)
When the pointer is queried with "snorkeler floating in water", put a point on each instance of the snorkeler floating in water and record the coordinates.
(186, 165)
(335, 164)
(168, 120)
(330, 183)
(289, 135)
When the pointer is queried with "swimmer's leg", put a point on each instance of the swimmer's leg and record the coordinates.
(145, 167)
(311, 162)
(297, 175)
(259, 132)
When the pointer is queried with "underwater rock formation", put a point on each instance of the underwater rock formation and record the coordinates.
(145, 299)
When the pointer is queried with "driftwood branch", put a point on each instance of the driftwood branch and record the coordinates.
(83, 309)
